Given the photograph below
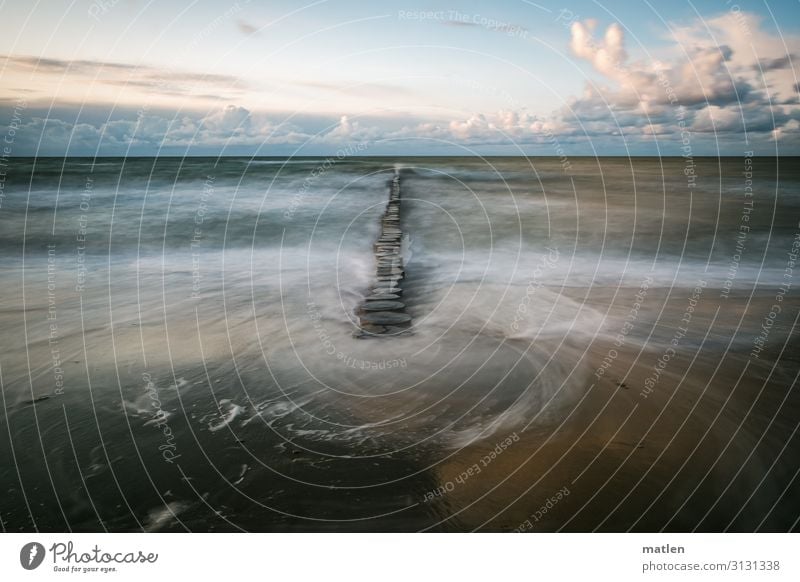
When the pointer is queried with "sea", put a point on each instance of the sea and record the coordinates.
(180, 346)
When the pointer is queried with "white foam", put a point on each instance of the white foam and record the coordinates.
(233, 410)
(159, 517)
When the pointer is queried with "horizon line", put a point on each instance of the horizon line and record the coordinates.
(341, 159)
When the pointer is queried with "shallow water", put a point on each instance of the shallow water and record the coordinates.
(189, 328)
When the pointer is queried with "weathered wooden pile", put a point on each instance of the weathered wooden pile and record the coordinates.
(383, 312)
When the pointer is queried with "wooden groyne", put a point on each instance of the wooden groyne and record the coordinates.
(383, 312)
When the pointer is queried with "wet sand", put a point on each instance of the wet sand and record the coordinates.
(711, 448)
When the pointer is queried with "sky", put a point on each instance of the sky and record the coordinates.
(428, 77)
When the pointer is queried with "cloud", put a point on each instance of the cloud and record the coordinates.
(607, 56)
(783, 62)
(351, 131)
(61, 66)
(230, 126)
(459, 23)
(714, 81)
(246, 28)
(709, 84)
(151, 80)
(709, 79)
(231, 118)
(488, 24)
(750, 46)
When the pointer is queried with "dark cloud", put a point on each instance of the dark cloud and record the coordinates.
(710, 89)
(459, 23)
(783, 62)
(246, 28)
